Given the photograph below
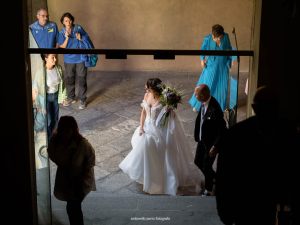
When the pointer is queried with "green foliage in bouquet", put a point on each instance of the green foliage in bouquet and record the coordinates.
(169, 97)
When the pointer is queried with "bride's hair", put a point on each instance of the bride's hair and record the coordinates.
(156, 85)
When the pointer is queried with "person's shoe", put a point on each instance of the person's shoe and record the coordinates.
(82, 104)
(69, 102)
(195, 110)
(207, 193)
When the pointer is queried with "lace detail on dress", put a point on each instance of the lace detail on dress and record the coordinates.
(151, 112)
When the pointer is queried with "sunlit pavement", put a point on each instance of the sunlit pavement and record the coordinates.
(108, 122)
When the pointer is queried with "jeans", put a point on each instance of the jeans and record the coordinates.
(71, 69)
(52, 112)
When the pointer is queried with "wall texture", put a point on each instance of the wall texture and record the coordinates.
(156, 24)
(279, 66)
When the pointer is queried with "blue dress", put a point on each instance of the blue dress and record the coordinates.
(216, 73)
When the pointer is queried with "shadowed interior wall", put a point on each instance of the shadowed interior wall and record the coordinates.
(279, 66)
(156, 24)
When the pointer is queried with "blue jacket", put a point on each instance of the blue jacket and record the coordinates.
(90, 59)
(47, 36)
(72, 43)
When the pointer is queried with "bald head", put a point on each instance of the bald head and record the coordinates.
(202, 93)
(265, 94)
(266, 102)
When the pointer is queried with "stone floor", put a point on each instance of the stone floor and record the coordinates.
(112, 114)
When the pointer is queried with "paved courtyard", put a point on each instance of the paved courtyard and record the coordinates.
(112, 114)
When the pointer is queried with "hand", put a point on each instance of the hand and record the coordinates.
(213, 151)
(34, 95)
(78, 36)
(203, 64)
(67, 35)
(39, 109)
(231, 63)
(64, 101)
(141, 132)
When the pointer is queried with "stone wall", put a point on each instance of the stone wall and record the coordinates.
(156, 24)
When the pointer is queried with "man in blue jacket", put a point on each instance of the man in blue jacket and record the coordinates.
(45, 32)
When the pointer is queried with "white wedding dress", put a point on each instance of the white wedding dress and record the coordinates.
(161, 159)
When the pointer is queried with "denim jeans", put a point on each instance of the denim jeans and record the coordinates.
(52, 112)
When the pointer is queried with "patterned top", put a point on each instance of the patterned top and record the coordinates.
(40, 79)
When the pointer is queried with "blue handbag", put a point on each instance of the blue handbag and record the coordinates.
(90, 60)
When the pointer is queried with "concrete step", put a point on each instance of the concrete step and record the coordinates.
(148, 209)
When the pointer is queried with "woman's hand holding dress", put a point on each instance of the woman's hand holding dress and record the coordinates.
(141, 132)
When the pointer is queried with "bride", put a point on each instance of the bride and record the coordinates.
(161, 159)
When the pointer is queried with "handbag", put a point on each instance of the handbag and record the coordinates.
(230, 117)
(90, 60)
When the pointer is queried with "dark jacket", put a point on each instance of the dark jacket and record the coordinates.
(253, 174)
(213, 125)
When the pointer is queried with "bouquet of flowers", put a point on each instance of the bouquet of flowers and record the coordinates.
(169, 97)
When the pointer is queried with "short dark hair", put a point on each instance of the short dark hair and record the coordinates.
(69, 15)
(155, 84)
(217, 30)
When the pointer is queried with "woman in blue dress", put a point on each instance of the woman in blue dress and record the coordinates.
(216, 69)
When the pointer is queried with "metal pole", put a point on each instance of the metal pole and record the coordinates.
(238, 72)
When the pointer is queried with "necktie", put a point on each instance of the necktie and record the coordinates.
(201, 122)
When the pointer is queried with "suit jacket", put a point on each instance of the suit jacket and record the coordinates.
(213, 125)
(253, 174)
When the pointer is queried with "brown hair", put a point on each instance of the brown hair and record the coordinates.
(67, 121)
(217, 30)
(68, 15)
(45, 56)
(155, 85)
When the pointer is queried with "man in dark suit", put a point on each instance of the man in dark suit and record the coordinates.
(255, 164)
(209, 126)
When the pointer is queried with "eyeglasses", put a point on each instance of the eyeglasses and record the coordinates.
(43, 16)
